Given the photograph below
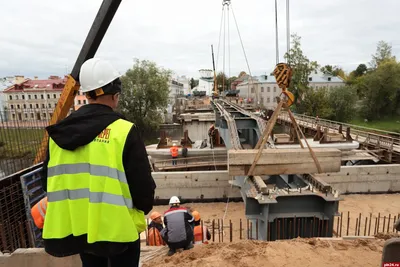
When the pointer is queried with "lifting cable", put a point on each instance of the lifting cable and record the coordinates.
(276, 33)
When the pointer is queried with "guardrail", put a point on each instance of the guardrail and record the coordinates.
(378, 138)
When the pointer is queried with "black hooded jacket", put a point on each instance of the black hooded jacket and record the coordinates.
(79, 129)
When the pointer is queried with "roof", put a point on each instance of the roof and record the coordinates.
(37, 85)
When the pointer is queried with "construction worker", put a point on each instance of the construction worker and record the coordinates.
(211, 134)
(174, 154)
(184, 154)
(201, 234)
(155, 227)
(97, 177)
(38, 212)
(179, 231)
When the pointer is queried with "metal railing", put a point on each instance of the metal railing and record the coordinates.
(188, 162)
(378, 138)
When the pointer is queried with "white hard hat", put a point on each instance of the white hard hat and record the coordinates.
(96, 73)
(174, 200)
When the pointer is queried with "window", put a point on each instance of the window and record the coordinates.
(49, 105)
(310, 79)
(268, 89)
(55, 104)
(29, 96)
(32, 116)
(44, 115)
(35, 96)
(274, 99)
(23, 97)
(30, 106)
(11, 98)
(268, 100)
(51, 115)
(252, 89)
(79, 102)
(13, 116)
(16, 97)
(43, 106)
(262, 89)
(12, 106)
(24, 106)
(48, 96)
(37, 105)
(54, 96)
(262, 100)
(26, 115)
(274, 89)
(41, 96)
(329, 79)
(84, 102)
(18, 106)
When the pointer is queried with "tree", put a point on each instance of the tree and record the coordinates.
(242, 73)
(193, 83)
(302, 68)
(383, 53)
(145, 94)
(380, 90)
(316, 103)
(222, 82)
(361, 70)
(342, 103)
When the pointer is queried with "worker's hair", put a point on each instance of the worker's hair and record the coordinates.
(112, 88)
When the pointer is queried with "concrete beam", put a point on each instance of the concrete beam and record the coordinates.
(365, 179)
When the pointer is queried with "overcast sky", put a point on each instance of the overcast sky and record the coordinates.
(44, 37)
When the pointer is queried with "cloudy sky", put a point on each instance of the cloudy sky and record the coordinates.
(44, 37)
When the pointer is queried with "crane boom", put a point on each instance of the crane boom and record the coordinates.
(93, 40)
(215, 92)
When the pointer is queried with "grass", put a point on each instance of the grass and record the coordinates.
(388, 124)
(17, 143)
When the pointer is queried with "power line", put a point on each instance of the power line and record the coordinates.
(219, 38)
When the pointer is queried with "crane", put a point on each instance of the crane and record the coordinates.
(93, 40)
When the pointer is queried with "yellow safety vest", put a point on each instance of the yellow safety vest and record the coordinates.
(88, 192)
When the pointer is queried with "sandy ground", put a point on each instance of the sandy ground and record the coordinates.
(355, 204)
(296, 252)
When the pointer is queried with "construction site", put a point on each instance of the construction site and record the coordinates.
(273, 190)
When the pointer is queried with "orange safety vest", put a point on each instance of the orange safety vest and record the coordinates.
(197, 235)
(38, 212)
(174, 151)
(154, 237)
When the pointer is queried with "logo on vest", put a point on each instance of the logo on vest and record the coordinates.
(104, 136)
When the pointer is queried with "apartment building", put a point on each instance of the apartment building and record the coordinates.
(263, 90)
(33, 99)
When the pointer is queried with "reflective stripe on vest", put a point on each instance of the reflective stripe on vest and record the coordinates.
(42, 208)
(88, 193)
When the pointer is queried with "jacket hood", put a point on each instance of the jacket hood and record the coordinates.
(82, 126)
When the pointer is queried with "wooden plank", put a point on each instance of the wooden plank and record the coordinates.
(281, 156)
(328, 165)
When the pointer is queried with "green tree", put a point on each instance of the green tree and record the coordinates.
(193, 83)
(342, 103)
(383, 53)
(361, 70)
(380, 89)
(145, 94)
(316, 103)
(222, 82)
(302, 68)
(242, 73)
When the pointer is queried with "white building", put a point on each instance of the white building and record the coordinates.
(5, 83)
(206, 81)
(175, 90)
(263, 90)
(186, 84)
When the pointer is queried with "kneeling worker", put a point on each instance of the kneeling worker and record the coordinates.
(179, 232)
(155, 227)
(201, 235)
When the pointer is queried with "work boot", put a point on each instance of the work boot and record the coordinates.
(171, 252)
(190, 246)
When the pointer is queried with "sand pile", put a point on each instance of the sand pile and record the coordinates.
(296, 252)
